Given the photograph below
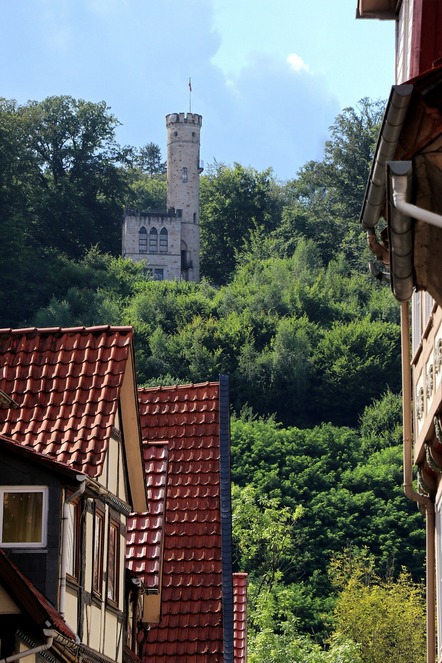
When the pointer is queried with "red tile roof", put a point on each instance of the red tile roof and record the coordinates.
(30, 600)
(145, 531)
(187, 417)
(240, 617)
(67, 383)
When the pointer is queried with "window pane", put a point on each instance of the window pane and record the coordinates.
(163, 240)
(22, 517)
(142, 238)
(98, 554)
(72, 525)
(153, 240)
(113, 564)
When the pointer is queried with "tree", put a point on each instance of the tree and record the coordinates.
(233, 201)
(78, 186)
(148, 159)
(386, 617)
(326, 196)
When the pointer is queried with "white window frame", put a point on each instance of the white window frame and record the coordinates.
(44, 516)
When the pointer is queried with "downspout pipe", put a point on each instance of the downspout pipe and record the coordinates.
(399, 181)
(49, 635)
(65, 517)
(422, 500)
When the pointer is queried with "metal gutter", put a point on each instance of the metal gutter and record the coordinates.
(394, 116)
(401, 234)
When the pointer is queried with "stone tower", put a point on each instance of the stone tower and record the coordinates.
(168, 242)
(183, 185)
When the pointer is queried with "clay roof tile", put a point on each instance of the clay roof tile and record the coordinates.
(66, 383)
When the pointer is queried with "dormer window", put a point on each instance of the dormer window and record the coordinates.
(23, 516)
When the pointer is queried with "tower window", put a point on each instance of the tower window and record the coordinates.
(163, 240)
(153, 240)
(184, 174)
(142, 240)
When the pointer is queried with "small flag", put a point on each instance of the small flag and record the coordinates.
(190, 85)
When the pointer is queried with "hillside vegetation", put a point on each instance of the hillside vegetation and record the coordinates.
(285, 307)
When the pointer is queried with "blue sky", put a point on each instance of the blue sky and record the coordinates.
(268, 76)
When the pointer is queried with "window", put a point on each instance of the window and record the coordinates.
(73, 550)
(153, 240)
(185, 176)
(142, 240)
(113, 562)
(158, 274)
(97, 578)
(23, 516)
(163, 240)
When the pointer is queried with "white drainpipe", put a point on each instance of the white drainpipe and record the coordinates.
(68, 500)
(35, 650)
(399, 190)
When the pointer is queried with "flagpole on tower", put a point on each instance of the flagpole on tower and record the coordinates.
(190, 95)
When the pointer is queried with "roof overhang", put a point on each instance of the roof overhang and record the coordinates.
(382, 9)
(411, 131)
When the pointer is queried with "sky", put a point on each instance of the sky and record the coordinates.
(268, 76)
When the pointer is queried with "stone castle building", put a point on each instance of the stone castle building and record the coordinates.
(168, 241)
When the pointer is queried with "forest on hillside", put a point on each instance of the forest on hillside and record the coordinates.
(286, 307)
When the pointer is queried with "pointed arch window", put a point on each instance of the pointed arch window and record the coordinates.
(164, 240)
(142, 240)
(153, 240)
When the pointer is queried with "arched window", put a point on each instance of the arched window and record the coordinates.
(163, 240)
(142, 240)
(153, 240)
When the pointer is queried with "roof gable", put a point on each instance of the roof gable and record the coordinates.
(187, 417)
(67, 384)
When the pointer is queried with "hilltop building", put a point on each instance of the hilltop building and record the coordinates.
(168, 241)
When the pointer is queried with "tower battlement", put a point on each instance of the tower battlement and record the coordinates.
(184, 118)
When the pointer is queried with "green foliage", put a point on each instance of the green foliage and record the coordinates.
(233, 201)
(386, 617)
(263, 533)
(345, 497)
(149, 160)
(326, 197)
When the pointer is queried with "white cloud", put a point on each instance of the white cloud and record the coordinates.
(297, 63)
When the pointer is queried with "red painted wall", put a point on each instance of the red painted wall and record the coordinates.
(426, 41)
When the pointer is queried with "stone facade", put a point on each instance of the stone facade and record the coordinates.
(168, 241)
